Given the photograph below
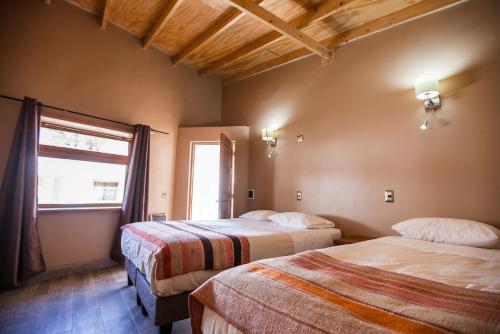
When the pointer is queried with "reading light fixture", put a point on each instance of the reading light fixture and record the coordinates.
(427, 89)
(270, 139)
(425, 123)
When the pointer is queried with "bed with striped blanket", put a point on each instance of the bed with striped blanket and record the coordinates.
(385, 285)
(183, 247)
(178, 256)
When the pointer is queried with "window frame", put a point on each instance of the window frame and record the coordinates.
(82, 155)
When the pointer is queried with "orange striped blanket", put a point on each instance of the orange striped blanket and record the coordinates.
(312, 292)
(182, 247)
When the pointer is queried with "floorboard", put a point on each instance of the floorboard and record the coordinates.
(92, 303)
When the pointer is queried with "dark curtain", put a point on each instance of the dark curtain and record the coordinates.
(20, 251)
(135, 200)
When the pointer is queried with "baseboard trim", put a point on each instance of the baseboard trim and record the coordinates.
(73, 269)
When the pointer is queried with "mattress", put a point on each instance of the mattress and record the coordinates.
(460, 266)
(266, 240)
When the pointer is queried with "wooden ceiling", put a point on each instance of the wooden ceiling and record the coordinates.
(236, 39)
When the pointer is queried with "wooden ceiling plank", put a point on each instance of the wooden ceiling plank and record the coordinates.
(314, 14)
(275, 23)
(228, 19)
(167, 13)
(246, 49)
(268, 65)
(105, 14)
(406, 14)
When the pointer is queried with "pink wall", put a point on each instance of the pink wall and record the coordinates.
(60, 55)
(360, 121)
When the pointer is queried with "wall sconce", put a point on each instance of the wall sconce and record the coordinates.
(268, 137)
(427, 89)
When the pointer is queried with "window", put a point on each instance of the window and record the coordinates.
(106, 191)
(81, 165)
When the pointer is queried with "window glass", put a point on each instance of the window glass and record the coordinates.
(78, 141)
(63, 181)
(106, 191)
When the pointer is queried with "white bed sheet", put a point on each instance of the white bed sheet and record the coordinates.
(266, 240)
(467, 267)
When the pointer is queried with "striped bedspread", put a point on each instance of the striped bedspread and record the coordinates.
(312, 292)
(182, 247)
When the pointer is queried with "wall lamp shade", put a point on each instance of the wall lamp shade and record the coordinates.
(268, 137)
(427, 87)
(268, 134)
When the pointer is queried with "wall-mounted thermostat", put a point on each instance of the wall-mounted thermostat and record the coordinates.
(299, 195)
(389, 196)
(251, 194)
(300, 138)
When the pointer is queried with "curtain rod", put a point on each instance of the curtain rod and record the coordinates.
(81, 114)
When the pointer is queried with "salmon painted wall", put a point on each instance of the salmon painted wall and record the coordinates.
(185, 136)
(360, 120)
(60, 55)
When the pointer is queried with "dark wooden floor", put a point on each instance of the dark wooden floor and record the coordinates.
(94, 302)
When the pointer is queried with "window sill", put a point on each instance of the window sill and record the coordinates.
(79, 209)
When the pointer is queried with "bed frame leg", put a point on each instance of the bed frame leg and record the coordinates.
(144, 311)
(165, 329)
(129, 281)
(138, 299)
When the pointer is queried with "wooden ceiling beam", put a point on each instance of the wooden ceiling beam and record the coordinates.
(105, 13)
(167, 13)
(406, 14)
(314, 14)
(277, 24)
(231, 16)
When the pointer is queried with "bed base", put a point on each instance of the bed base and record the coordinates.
(162, 310)
(131, 272)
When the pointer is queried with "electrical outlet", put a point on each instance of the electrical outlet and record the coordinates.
(163, 194)
(299, 195)
(389, 196)
(300, 138)
(251, 194)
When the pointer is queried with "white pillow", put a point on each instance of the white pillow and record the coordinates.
(450, 231)
(258, 214)
(299, 219)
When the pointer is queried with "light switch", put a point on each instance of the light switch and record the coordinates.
(299, 195)
(300, 138)
(389, 196)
